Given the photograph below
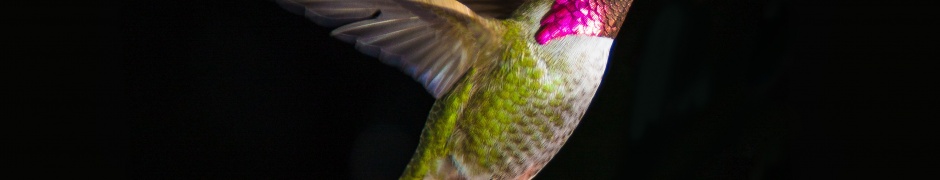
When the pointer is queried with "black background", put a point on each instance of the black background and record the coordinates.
(727, 89)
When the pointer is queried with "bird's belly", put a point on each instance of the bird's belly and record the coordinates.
(521, 114)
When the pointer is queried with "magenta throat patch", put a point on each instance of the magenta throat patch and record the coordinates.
(567, 17)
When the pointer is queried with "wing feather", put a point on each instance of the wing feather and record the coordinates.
(433, 41)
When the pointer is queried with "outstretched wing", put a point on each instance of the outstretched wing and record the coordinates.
(434, 41)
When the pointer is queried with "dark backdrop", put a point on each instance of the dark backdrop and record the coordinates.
(725, 89)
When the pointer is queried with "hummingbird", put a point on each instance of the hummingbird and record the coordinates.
(512, 78)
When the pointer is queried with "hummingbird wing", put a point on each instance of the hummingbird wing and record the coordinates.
(433, 41)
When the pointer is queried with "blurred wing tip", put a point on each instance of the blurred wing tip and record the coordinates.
(292, 6)
(327, 13)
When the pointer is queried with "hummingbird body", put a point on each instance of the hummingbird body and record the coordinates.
(506, 120)
(509, 91)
